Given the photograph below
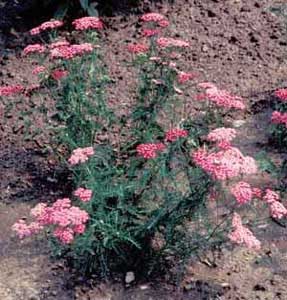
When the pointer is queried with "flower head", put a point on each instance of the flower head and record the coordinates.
(45, 26)
(163, 23)
(11, 90)
(81, 155)
(138, 48)
(277, 210)
(271, 196)
(224, 164)
(39, 69)
(257, 193)
(35, 48)
(150, 32)
(69, 52)
(221, 97)
(38, 210)
(65, 235)
(59, 44)
(22, 229)
(170, 43)
(279, 118)
(88, 23)
(149, 150)
(282, 94)
(67, 220)
(242, 235)
(174, 134)
(152, 17)
(221, 134)
(242, 192)
(84, 194)
(182, 77)
(59, 74)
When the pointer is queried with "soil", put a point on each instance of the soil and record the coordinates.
(238, 44)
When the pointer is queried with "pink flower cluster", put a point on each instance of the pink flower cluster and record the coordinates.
(35, 48)
(155, 18)
(282, 94)
(59, 44)
(276, 208)
(183, 77)
(138, 48)
(46, 25)
(24, 230)
(220, 97)
(88, 23)
(59, 74)
(66, 219)
(150, 150)
(81, 155)
(224, 164)
(279, 118)
(69, 52)
(150, 32)
(85, 195)
(221, 134)
(37, 70)
(174, 134)
(257, 193)
(170, 42)
(242, 235)
(11, 90)
(243, 192)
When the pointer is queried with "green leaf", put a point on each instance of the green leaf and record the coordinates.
(265, 163)
(92, 11)
(61, 10)
(85, 4)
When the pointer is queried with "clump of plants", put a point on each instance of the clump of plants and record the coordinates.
(279, 119)
(140, 198)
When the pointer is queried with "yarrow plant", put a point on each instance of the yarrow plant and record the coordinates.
(142, 195)
(279, 119)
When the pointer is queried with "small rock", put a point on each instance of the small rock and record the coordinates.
(204, 48)
(144, 287)
(130, 277)
(188, 287)
(238, 123)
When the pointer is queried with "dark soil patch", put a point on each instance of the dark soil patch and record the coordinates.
(26, 175)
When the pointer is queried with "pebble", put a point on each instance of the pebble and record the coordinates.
(238, 123)
(204, 48)
(225, 284)
(144, 287)
(130, 277)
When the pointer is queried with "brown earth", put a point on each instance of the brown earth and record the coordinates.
(238, 44)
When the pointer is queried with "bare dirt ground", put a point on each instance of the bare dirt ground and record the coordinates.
(238, 44)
